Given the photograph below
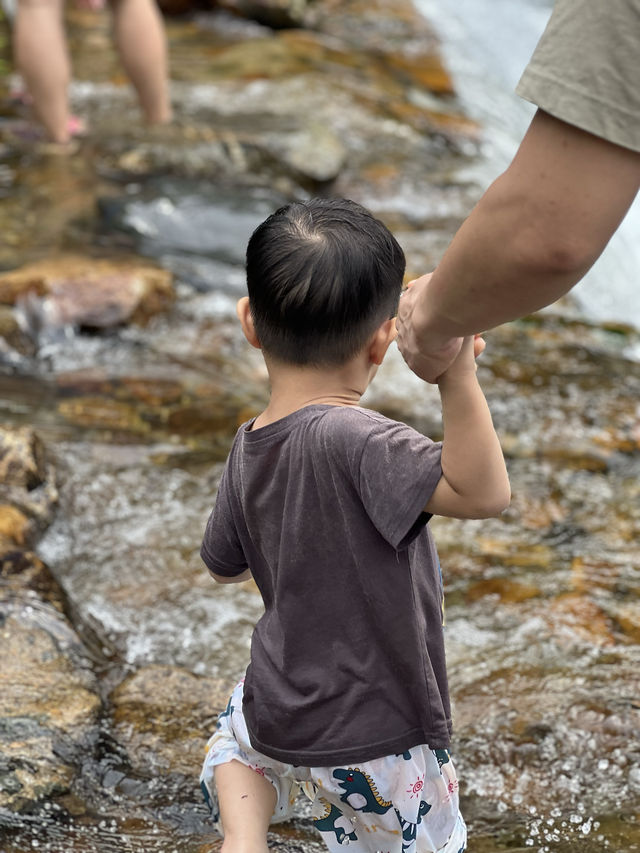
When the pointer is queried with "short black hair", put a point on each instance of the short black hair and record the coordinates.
(322, 276)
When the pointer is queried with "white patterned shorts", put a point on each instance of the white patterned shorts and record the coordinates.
(405, 803)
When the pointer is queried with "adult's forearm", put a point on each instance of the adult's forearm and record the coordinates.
(534, 234)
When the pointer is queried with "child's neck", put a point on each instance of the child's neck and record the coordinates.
(294, 388)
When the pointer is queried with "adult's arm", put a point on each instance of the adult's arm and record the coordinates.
(535, 232)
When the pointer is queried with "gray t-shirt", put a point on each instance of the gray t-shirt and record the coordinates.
(326, 508)
(586, 68)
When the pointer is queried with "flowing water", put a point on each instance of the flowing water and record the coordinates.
(542, 604)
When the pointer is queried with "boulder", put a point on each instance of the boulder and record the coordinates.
(49, 702)
(87, 292)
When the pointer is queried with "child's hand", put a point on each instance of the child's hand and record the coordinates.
(465, 361)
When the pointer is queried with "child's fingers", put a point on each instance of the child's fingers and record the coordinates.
(479, 345)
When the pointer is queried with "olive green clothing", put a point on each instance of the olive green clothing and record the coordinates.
(586, 68)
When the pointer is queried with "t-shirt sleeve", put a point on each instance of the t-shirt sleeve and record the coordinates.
(399, 470)
(221, 548)
(586, 69)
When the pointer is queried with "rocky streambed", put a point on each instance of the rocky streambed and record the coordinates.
(124, 376)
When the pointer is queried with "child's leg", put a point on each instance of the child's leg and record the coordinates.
(41, 55)
(141, 42)
(247, 801)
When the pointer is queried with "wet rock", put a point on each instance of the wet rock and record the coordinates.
(22, 461)
(537, 735)
(28, 497)
(12, 337)
(505, 589)
(627, 616)
(104, 414)
(574, 616)
(185, 216)
(22, 569)
(314, 153)
(81, 291)
(48, 703)
(273, 13)
(14, 525)
(28, 490)
(163, 717)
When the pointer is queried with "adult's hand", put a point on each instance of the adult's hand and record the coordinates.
(426, 352)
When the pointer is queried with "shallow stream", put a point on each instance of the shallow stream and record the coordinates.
(543, 615)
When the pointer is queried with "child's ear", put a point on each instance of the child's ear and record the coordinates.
(382, 338)
(246, 321)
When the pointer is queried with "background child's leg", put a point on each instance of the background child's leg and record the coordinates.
(41, 55)
(140, 38)
(247, 801)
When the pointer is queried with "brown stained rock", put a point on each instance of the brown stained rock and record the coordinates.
(507, 590)
(97, 382)
(537, 513)
(14, 525)
(589, 574)
(71, 289)
(21, 569)
(575, 617)
(164, 715)
(38, 676)
(424, 71)
(22, 460)
(102, 413)
(392, 31)
(153, 392)
(48, 696)
(429, 120)
(28, 493)
(204, 417)
(627, 618)
(12, 334)
(510, 553)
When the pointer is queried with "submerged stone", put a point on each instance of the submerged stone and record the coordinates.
(163, 717)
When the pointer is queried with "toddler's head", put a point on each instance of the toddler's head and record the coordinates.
(322, 276)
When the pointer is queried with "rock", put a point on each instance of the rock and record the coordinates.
(163, 717)
(506, 589)
(272, 13)
(96, 293)
(49, 703)
(14, 525)
(28, 492)
(12, 334)
(21, 569)
(314, 153)
(575, 617)
(102, 413)
(540, 735)
(627, 616)
(22, 461)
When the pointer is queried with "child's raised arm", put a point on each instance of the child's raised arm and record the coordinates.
(474, 482)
